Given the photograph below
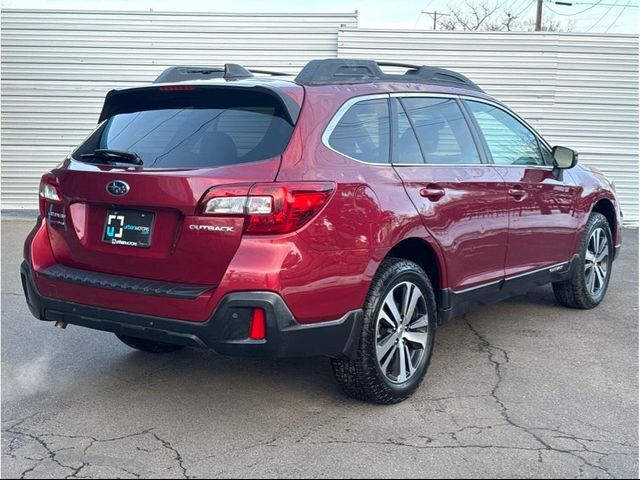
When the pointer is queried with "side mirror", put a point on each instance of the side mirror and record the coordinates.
(564, 157)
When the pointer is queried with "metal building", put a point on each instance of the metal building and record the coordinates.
(578, 90)
(57, 67)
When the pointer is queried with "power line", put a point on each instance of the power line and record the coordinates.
(519, 7)
(577, 13)
(422, 13)
(618, 17)
(514, 7)
(527, 6)
(601, 4)
(602, 17)
(434, 15)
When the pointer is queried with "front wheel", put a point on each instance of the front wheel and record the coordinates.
(397, 336)
(588, 284)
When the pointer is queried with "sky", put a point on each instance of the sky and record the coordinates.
(595, 16)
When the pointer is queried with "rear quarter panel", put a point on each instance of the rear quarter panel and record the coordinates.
(368, 214)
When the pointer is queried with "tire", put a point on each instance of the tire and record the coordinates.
(370, 379)
(580, 291)
(149, 346)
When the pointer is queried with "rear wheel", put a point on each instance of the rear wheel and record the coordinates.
(588, 284)
(397, 336)
(149, 346)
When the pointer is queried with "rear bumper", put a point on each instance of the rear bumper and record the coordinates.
(226, 331)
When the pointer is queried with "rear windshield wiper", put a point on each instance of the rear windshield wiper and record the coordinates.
(107, 155)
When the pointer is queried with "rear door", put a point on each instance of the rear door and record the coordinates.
(542, 222)
(461, 199)
(147, 221)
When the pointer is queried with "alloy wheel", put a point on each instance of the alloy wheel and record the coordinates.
(402, 332)
(596, 264)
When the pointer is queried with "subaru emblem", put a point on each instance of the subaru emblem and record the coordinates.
(117, 187)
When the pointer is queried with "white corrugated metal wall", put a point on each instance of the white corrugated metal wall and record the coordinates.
(58, 65)
(580, 91)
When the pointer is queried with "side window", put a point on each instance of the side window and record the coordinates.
(363, 132)
(510, 142)
(407, 149)
(442, 131)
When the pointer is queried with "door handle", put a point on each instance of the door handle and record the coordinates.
(517, 192)
(432, 192)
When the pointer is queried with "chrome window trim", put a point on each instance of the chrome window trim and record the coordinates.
(338, 116)
(493, 103)
(470, 128)
(423, 94)
(352, 101)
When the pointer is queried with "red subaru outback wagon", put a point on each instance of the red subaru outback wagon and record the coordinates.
(345, 212)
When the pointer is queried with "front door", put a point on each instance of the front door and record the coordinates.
(542, 222)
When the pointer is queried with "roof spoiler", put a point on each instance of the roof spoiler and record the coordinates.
(130, 100)
(345, 70)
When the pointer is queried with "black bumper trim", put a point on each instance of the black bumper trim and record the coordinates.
(455, 303)
(122, 283)
(226, 331)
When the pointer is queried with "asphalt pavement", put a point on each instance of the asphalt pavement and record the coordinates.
(524, 388)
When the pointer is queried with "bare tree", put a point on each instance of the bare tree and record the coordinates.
(472, 15)
(492, 15)
(510, 22)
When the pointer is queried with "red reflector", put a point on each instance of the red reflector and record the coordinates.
(258, 328)
(178, 88)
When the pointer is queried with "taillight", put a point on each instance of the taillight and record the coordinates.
(49, 191)
(258, 326)
(269, 207)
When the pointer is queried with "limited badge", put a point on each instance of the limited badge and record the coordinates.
(56, 216)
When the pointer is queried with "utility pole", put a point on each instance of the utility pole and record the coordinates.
(539, 15)
(435, 17)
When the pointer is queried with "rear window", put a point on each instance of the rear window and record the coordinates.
(194, 130)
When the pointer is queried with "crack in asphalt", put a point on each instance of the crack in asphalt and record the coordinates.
(493, 353)
(497, 358)
(396, 443)
(41, 439)
(51, 454)
(178, 456)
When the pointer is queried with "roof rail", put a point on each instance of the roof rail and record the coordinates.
(347, 70)
(270, 72)
(230, 71)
